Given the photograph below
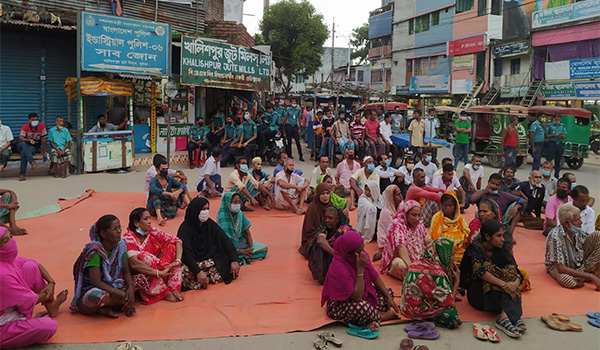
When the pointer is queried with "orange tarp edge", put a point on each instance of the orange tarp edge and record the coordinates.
(93, 86)
(276, 295)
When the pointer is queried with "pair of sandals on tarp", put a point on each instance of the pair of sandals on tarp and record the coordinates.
(416, 330)
(594, 318)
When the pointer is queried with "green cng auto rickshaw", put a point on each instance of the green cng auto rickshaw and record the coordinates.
(447, 116)
(578, 124)
(488, 122)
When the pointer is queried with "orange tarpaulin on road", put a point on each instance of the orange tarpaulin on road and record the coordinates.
(92, 86)
(276, 295)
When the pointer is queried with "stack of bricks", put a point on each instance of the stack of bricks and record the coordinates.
(230, 31)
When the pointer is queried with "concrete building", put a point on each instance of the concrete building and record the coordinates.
(380, 41)
(402, 46)
(341, 58)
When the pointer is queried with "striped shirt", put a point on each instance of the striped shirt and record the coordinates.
(36, 135)
(357, 129)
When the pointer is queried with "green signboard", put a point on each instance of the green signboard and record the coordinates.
(177, 130)
(221, 65)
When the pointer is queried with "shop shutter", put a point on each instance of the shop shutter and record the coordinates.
(19, 78)
(61, 56)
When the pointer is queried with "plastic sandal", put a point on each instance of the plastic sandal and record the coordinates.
(561, 317)
(521, 325)
(124, 346)
(491, 334)
(427, 335)
(594, 322)
(321, 344)
(419, 326)
(330, 338)
(593, 314)
(478, 332)
(557, 322)
(362, 332)
(505, 326)
(406, 344)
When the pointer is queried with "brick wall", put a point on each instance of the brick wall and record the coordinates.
(232, 32)
(215, 11)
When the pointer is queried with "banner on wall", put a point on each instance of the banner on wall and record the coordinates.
(567, 89)
(464, 62)
(510, 49)
(221, 65)
(462, 86)
(513, 91)
(585, 68)
(564, 14)
(467, 45)
(122, 45)
(429, 84)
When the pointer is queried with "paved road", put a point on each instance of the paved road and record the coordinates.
(40, 191)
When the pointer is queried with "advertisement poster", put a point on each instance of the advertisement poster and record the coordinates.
(585, 68)
(521, 15)
(467, 45)
(567, 13)
(122, 45)
(464, 62)
(214, 64)
(574, 90)
(429, 84)
(462, 86)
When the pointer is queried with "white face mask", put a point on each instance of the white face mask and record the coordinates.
(294, 105)
(203, 216)
(235, 208)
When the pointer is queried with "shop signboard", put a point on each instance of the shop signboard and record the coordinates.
(221, 65)
(513, 91)
(462, 86)
(510, 49)
(429, 84)
(464, 62)
(402, 90)
(123, 45)
(585, 68)
(467, 45)
(177, 130)
(568, 89)
(564, 14)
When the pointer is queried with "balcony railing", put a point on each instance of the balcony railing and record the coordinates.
(380, 51)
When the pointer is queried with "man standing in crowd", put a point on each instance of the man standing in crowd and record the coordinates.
(555, 135)
(537, 138)
(340, 134)
(549, 181)
(416, 130)
(357, 129)
(217, 126)
(248, 139)
(291, 120)
(198, 140)
(60, 153)
(33, 136)
(463, 130)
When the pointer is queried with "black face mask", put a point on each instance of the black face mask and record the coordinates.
(164, 173)
(102, 125)
(561, 194)
(289, 171)
(257, 172)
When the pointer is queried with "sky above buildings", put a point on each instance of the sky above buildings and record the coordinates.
(348, 15)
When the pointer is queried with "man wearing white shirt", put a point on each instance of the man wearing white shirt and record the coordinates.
(427, 165)
(209, 181)
(581, 197)
(441, 170)
(6, 137)
(387, 174)
(449, 182)
(151, 172)
(431, 124)
(471, 177)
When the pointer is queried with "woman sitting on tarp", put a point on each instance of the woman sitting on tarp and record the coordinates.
(491, 277)
(237, 227)
(155, 258)
(22, 286)
(353, 291)
(320, 247)
(314, 217)
(209, 256)
(103, 281)
(450, 224)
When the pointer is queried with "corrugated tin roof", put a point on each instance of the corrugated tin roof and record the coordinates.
(42, 25)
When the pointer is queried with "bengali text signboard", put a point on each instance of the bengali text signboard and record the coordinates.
(220, 65)
(429, 84)
(122, 45)
(564, 14)
(585, 68)
(510, 49)
(464, 62)
(177, 130)
(468, 45)
(573, 90)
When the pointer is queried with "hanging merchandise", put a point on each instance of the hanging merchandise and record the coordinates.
(117, 7)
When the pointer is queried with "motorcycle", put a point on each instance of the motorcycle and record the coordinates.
(595, 143)
(274, 147)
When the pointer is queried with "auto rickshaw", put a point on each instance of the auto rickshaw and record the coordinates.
(578, 124)
(488, 122)
(447, 116)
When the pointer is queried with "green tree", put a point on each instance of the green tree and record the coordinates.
(360, 42)
(296, 34)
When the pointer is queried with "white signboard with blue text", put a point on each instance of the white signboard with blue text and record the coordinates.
(585, 68)
(122, 45)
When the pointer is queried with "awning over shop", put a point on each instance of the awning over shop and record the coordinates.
(92, 86)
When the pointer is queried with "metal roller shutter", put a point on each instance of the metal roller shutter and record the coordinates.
(19, 78)
(61, 56)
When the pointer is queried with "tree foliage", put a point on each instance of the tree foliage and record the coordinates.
(296, 34)
(360, 42)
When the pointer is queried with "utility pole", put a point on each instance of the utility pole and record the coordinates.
(265, 6)
(332, 49)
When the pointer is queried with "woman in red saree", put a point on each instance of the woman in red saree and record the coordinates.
(155, 257)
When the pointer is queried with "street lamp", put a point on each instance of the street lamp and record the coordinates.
(171, 92)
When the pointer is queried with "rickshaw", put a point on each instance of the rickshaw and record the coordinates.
(578, 124)
(447, 116)
(488, 122)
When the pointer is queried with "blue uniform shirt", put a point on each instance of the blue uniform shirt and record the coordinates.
(538, 132)
(556, 128)
(293, 114)
(198, 134)
(275, 123)
(249, 128)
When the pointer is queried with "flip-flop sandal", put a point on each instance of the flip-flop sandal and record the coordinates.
(330, 338)
(363, 332)
(321, 344)
(124, 346)
(593, 314)
(561, 317)
(555, 323)
(426, 335)
(574, 327)
(594, 322)
(478, 332)
(491, 334)
(420, 347)
(505, 326)
(406, 344)
(521, 325)
(419, 326)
